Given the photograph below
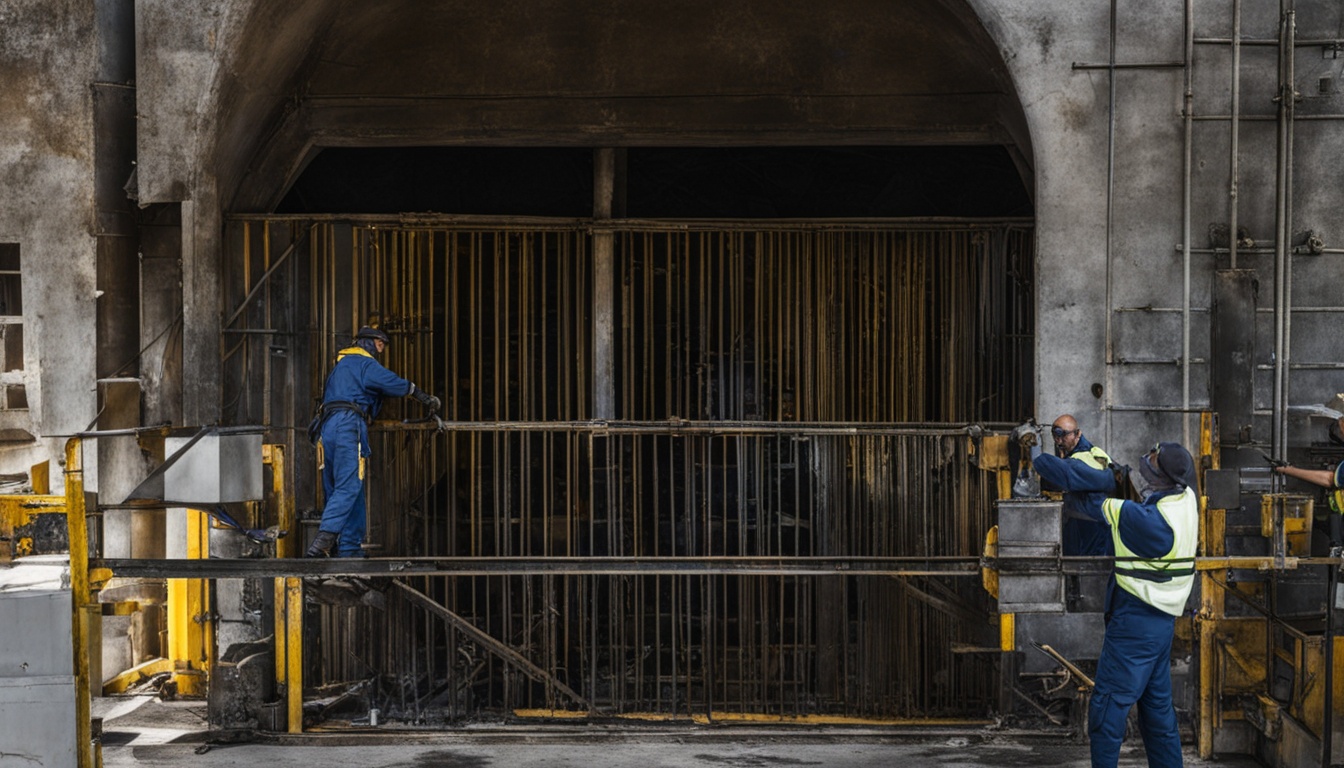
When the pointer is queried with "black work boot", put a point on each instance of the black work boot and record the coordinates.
(323, 543)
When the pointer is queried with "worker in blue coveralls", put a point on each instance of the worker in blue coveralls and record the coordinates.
(353, 395)
(1155, 542)
(1081, 470)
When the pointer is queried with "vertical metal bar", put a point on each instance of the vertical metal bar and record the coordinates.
(1187, 166)
(1283, 207)
(294, 653)
(1110, 223)
(78, 534)
(1235, 124)
(604, 393)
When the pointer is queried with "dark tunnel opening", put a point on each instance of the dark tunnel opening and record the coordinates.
(668, 182)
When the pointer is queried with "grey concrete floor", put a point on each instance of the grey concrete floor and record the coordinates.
(172, 734)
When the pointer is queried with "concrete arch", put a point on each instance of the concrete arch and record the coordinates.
(283, 79)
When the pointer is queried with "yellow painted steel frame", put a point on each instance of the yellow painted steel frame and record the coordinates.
(18, 511)
(190, 628)
(80, 598)
(292, 650)
(288, 597)
(135, 675)
(753, 717)
(1211, 598)
(287, 545)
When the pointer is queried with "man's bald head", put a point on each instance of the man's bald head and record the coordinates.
(1066, 434)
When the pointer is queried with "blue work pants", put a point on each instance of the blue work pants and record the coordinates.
(1134, 668)
(344, 449)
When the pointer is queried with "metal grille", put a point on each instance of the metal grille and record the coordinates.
(866, 325)
(769, 379)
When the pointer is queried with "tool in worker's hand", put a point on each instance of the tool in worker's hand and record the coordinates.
(1273, 462)
(1025, 434)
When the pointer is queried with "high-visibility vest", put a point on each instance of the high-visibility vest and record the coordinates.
(1336, 494)
(1163, 582)
(1093, 457)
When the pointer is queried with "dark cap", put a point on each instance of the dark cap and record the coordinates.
(1174, 461)
(376, 334)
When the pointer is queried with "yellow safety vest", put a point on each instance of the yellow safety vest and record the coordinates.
(1094, 458)
(1336, 494)
(1181, 511)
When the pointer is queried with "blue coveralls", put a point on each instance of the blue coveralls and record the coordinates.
(360, 379)
(1084, 488)
(1135, 663)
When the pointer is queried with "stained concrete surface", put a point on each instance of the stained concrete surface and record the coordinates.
(146, 732)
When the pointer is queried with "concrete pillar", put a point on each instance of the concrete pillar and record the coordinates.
(202, 225)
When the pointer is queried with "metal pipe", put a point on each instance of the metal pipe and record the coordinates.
(1287, 232)
(1079, 65)
(1271, 42)
(1110, 223)
(1284, 230)
(684, 427)
(1328, 711)
(1234, 172)
(1186, 172)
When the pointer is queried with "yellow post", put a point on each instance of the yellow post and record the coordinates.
(1007, 632)
(284, 504)
(1211, 599)
(281, 610)
(189, 615)
(294, 653)
(78, 532)
(285, 547)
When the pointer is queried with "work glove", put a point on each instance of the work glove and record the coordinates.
(1025, 435)
(424, 398)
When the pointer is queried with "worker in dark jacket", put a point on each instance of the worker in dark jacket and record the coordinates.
(352, 398)
(1155, 542)
(1081, 470)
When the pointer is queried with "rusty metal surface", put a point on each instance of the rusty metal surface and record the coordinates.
(783, 516)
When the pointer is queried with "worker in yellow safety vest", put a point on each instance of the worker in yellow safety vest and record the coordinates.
(1331, 480)
(1155, 542)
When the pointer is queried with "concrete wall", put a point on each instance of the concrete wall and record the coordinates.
(48, 54)
(1068, 111)
(1112, 278)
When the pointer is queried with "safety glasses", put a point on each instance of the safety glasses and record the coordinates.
(1059, 432)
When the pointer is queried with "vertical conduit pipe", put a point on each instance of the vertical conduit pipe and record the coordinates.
(1110, 220)
(1328, 718)
(1234, 174)
(1186, 170)
(1281, 192)
(1286, 238)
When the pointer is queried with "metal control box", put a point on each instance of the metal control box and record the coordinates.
(216, 469)
(1029, 530)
